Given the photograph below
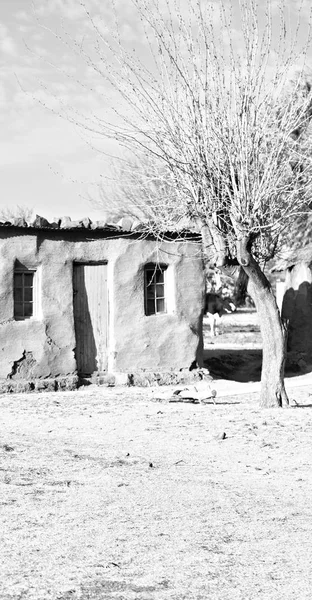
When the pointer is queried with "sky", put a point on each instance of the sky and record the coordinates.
(46, 163)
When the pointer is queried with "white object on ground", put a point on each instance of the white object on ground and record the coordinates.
(201, 391)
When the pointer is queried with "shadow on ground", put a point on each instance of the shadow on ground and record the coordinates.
(235, 365)
(245, 365)
(235, 353)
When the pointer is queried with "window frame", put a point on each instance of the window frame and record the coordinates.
(23, 302)
(155, 291)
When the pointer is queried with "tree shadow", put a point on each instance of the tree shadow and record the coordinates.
(245, 366)
(235, 365)
(297, 311)
(220, 403)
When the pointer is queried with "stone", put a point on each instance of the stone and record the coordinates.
(86, 222)
(69, 383)
(66, 223)
(98, 225)
(39, 222)
(45, 385)
(106, 379)
(139, 380)
(136, 225)
(121, 378)
(125, 223)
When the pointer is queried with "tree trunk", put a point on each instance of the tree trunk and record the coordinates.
(274, 342)
(274, 335)
(240, 288)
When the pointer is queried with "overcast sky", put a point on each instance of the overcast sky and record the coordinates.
(40, 154)
(44, 162)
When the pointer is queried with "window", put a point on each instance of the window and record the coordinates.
(23, 294)
(154, 287)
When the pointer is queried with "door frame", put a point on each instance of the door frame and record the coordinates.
(95, 263)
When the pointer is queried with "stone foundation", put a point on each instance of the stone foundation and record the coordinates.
(22, 386)
(73, 382)
(142, 378)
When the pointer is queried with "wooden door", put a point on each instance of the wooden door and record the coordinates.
(90, 315)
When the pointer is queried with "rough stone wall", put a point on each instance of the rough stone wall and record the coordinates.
(44, 346)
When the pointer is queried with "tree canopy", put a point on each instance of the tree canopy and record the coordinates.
(219, 110)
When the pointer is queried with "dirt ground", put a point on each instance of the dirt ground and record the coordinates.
(120, 494)
(240, 328)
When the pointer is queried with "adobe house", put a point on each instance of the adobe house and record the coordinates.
(85, 298)
(294, 297)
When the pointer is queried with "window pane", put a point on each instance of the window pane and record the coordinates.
(149, 277)
(28, 279)
(151, 292)
(160, 290)
(28, 309)
(18, 280)
(28, 294)
(159, 276)
(150, 307)
(18, 309)
(160, 304)
(155, 289)
(18, 295)
(23, 294)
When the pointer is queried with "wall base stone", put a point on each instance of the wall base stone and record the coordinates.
(142, 378)
(135, 379)
(184, 376)
(68, 383)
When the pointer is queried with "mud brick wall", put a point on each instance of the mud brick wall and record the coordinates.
(43, 346)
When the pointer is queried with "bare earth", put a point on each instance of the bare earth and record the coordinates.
(119, 494)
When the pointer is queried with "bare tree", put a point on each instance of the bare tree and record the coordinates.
(138, 187)
(212, 105)
(240, 288)
(19, 211)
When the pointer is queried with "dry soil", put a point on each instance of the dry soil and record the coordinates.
(120, 494)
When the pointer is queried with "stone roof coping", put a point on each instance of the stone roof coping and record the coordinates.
(123, 225)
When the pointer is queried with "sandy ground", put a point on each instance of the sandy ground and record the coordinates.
(120, 494)
(236, 330)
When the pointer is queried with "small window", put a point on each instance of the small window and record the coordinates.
(155, 289)
(23, 295)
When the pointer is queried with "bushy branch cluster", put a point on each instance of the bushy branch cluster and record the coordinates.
(216, 115)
